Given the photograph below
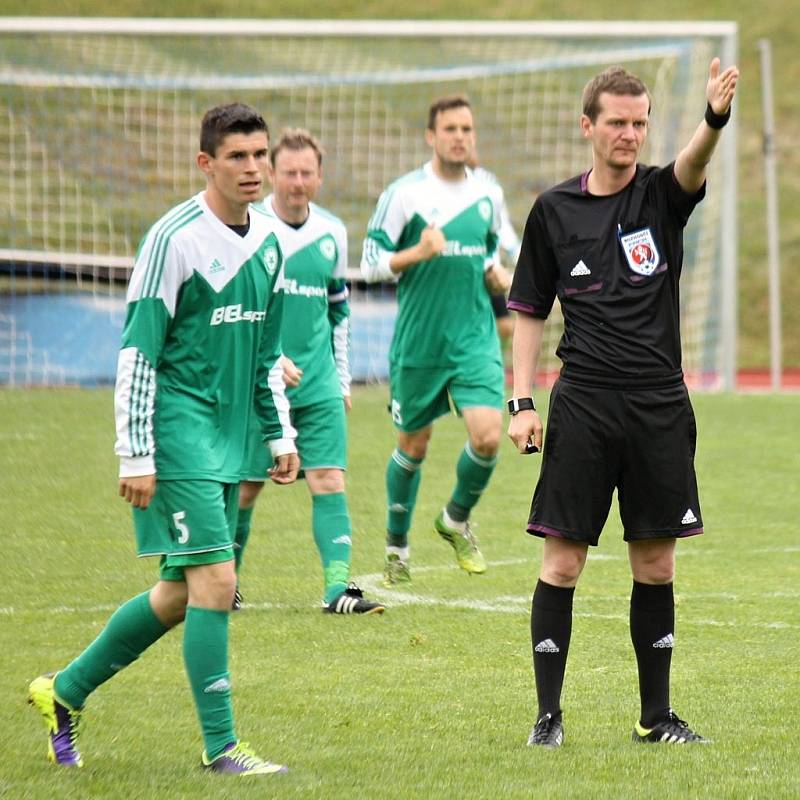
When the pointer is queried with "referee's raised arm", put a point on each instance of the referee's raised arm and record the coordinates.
(692, 161)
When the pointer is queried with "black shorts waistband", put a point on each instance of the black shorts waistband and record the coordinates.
(623, 383)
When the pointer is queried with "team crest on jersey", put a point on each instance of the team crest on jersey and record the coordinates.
(640, 251)
(328, 248)
(485, 209)
(271, 259)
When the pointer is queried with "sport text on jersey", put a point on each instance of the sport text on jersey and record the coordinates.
(291, 286)
(235, 314)
(455, 248)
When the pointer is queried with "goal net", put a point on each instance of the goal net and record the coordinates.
(99, 125)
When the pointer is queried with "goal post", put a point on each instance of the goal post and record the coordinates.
(98, 130)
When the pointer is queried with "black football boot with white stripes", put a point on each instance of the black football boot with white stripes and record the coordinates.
(548, 731)
(670, 730)
(352, 601)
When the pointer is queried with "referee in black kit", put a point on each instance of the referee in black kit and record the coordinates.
(609, 245)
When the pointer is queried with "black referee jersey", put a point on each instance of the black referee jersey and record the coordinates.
(614, 261)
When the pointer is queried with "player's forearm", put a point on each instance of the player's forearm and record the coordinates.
(134, 406)
(526, 346)
(693, 160)
(341, 354)
(405, 259)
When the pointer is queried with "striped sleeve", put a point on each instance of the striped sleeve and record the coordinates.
(339, 314)
(153, 290)
(383, 232)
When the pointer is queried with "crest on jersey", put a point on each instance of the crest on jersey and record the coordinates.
(485, 209)
(271, 259)
(328, 248)
(640, 251)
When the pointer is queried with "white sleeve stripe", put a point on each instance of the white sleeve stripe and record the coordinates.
(341, 354)
(278, 389)
(134, 396)
(158, 255)
(141, 408)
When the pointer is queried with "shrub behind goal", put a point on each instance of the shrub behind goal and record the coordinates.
(98, 131)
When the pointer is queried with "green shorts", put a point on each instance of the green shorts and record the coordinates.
(188, 523)
(419, 395)
(321, 440)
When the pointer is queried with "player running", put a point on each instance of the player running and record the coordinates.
(434, 232)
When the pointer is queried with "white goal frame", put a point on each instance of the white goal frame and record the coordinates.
(726, 32)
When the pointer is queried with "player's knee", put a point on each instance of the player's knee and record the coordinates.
(415, 444)
(486, 441)
(325, 481)
(212, 585)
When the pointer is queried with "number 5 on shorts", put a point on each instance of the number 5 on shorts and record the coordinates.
(177, 521)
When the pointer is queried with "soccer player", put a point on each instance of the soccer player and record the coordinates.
(200, 349)
(609, 245)
(316, 345)
(435, 232)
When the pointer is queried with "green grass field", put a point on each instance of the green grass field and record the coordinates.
(435, 699)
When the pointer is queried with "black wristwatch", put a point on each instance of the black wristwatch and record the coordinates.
(517, 404)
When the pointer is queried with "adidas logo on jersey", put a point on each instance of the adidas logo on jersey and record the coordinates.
(216, 266)
(666, 643)
(547, 646)
(688, 517)
(580, 269)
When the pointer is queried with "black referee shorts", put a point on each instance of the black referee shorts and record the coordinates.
(639, 442)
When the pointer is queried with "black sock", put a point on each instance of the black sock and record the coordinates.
(652, 634)
(551, 627)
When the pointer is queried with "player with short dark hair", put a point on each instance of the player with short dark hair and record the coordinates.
(316, 346)
(609, 245)
(200, 350)
(434, 232)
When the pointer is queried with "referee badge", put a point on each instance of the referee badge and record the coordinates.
(640, 251)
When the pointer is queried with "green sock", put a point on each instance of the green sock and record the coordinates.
(133, 627)
(242, 534)
(330, 521)
(205, 653)
(472, 475)
(402, 483)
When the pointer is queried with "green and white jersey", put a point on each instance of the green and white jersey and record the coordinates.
(201, 341)
(316, 316)
(444, 312)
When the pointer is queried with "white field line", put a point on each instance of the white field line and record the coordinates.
(502, 604)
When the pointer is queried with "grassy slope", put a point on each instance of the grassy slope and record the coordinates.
(770, 18)
(434, 700)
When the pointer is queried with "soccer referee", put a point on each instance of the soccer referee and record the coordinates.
(609, 245)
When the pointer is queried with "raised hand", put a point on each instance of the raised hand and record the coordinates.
(721, 86)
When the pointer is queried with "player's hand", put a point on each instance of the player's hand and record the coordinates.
(431, 243)
(285, 469)
(348, 403)
(721, 87)
(291, 372)
(138, 491)
(498, 280)
(525, 430)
